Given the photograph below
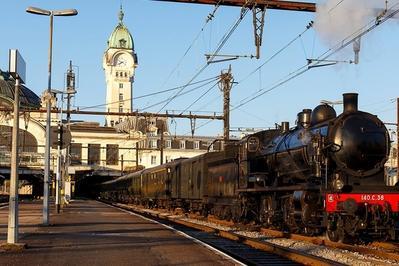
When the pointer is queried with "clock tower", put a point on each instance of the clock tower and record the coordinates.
(119, 63)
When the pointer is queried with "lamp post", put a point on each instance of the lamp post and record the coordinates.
(51, 14)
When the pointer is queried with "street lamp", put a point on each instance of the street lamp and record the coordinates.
(51, 14)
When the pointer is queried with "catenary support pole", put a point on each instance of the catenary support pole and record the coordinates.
(12, 234)
(226, 80)
(161, 144)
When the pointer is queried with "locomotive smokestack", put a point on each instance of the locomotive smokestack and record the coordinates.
(285, 127)
(304, 118)
(350, 102)
(307, 113)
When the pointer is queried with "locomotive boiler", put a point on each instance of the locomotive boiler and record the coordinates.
(324, 175)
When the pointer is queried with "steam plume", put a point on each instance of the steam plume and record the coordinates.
(337, 19)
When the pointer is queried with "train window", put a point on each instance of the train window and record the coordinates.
(199, 180)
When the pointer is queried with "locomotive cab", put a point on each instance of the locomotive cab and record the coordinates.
(253, 171)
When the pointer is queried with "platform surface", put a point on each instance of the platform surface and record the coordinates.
(92, 233)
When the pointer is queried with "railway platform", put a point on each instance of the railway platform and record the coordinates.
(91, 233)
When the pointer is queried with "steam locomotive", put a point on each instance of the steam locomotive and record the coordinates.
(325, 175)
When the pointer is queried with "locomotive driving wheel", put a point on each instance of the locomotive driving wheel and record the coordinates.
(336, 235)
(266, 212)
(288, 214)
(335, 230)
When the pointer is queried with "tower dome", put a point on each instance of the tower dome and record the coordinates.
(121, 38)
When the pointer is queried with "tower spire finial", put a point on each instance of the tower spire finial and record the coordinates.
(121, 14)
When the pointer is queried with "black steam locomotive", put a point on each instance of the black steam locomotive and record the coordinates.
(324, 175)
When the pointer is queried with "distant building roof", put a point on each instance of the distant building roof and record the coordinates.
(28, 98)
(92, 127)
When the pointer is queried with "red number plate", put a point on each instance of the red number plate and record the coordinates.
(392, 199)
(372, 197)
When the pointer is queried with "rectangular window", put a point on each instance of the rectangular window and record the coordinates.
(182, 144)
(76, 153)
(94, 154)
(196, 145)
(120, 108)
(153, 159)
(153, 143)
(112, 154)
(120, 96)
(168, 144)
(121, 85)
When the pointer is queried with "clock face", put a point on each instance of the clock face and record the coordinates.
(122, 61)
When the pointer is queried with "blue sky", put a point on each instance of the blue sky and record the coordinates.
(163, 31)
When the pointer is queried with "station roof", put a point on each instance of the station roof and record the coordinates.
(28, 98)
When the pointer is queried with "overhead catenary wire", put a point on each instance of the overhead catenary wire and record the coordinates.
(208, 19)
(336, 5)
(184, 93)
(303, 69)
(150, 94)
(277, 52)
(341, 45)
(222, 42)
(200, 97)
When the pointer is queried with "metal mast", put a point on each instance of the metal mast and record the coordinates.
(226, 81)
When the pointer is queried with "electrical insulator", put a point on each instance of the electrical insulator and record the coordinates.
(356, 49)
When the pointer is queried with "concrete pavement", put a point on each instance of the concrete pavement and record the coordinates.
(92, 233)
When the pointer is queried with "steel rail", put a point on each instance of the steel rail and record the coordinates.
(294, 255)
(385, 250)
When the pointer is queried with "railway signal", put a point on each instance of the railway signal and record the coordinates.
(60, 136)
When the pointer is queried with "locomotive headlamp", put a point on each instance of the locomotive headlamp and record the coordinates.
(338, 184)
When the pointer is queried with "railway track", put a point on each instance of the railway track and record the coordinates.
(385, 250)
(376, 253)
(248, 250)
